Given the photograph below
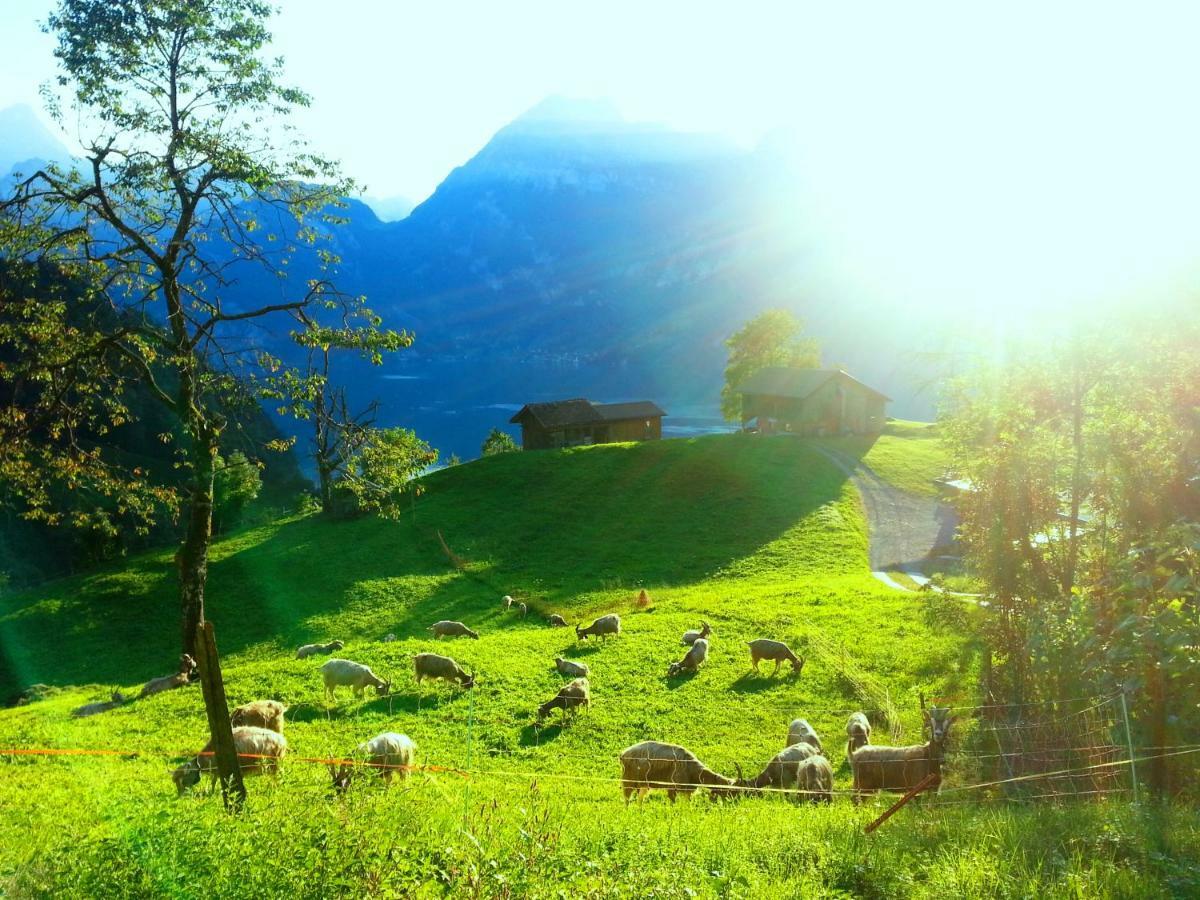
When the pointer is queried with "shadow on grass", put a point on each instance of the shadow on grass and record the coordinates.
(533, 734)
(753, 683)
(675, 682)
(709, 501)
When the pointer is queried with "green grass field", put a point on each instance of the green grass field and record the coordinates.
(759, 536)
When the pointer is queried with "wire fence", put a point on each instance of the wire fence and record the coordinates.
(1074, 749)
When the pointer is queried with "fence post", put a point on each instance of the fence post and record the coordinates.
(229, 769)
(1129, 744)
(470, 728)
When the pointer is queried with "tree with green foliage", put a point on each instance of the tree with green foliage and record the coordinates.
(498, 441)
(772, 338)
(188, 152)
(385, 469)
(236, 484)
(1084, 466)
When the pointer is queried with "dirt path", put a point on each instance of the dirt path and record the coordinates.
(903, 528)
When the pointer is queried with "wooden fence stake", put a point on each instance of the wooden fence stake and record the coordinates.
(925, 783)
(229, 770)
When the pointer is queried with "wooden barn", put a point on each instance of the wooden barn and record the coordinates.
(811, 402)
(569, 423)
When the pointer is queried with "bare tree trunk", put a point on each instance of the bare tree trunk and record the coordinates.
(192, 557)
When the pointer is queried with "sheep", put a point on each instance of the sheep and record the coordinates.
(858, 733)
(508, 601)
(557, 621)
(187, 667)
(900, 769)
(91, 709)
(453, 629)
(799, 767)
(259, 750)
(652, 764)
(391, 753)
(266, 714)
(801, 732)
(764, 648)
(696, 654)
(602, 627)
(690, 637)
(318, 649)
(338, 673)
(522, 609)
(573, 695)
(568, 667)
(390, 638)
(430, 665)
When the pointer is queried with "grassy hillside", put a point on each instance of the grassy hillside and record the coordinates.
(759, 536)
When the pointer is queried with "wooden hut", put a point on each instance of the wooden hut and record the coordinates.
(569, 423)
(811, 402)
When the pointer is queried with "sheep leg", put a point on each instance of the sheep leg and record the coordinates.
(776, 672)
(671, 794)
(754, 663)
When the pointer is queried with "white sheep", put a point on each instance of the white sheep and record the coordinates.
(800, 732)
(389, 752)
(602, 627)
(318, 649)
(259, 750)
(187, 667)
(690, 637)
(570, 667)
(344, 673)
(858, 733)
(696, 655)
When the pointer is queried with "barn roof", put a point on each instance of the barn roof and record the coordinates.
(640, 409)
(560, 413)
(780, 381)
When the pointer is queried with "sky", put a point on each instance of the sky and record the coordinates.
(1040, 150)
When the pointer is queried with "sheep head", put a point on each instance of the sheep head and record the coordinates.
(186, 776)
(937, 723)
(341, 775)
(384, 689)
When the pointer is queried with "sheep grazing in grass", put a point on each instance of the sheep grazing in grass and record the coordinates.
(266, 714)
(91, 709)
(343, 673)
(858, 733)
(900, 769)
(318, 649)
(799, 768)
(187, 668)
(696, 654)
(556, 621)
(452, 629)
(764, 648)
(392, 754)
(568, 667)
(690, 637)
(390, 638)
(430, 665)
(522, 610)
(800, 732)
(652, 764)
(602, 627)
(508, 601)
(573, 695)
(259, 750)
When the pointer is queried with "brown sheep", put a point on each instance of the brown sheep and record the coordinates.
(260, 714)
(556, 621)
(453, 629)
(652, 764)
(900, 769)
(696, 655)
(430, 665)
(259, 751)
(602, 627)
(573, 695)
(765, 648)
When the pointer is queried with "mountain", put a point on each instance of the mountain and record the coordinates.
(23, 138)
(579, 254)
